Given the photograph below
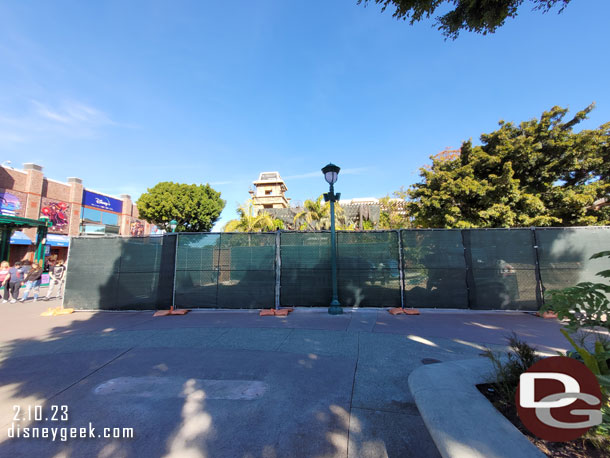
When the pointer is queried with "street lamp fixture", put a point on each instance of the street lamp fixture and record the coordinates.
(173, 224)
(331, 173)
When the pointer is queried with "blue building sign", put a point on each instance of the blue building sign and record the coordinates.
(92, 199)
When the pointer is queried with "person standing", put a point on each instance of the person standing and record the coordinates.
(15, 280)
(50, 262)
(32, 282)
(27, 266)
(56, 273)
(4, 279)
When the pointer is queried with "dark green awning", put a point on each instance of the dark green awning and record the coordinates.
(17, 221)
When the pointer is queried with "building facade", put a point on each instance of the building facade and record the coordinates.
(269, 192)
(269, 195)
(71, 209)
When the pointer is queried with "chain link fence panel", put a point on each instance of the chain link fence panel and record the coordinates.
(503, 266)
(114, 273)
(434, 268)
(564, 255)
(485, 269)
(368, 271)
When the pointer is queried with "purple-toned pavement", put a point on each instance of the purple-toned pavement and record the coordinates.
(481, 327)
(232, 383)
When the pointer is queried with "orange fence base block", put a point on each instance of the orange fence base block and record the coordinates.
(273, 312)
(400, 311)
(170, 312)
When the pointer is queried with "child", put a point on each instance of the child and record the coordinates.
(15, 280)
(4, 279)
(32, 281)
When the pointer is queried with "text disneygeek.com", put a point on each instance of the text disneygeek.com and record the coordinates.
(59, 413)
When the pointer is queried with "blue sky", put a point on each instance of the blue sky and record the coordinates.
(127, 94)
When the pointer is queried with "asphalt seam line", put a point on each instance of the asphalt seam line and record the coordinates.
(90, 374)
(351, 398)
(398, 412)
(285, 339)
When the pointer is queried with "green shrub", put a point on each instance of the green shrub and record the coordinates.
(585, 305)
(519, 359)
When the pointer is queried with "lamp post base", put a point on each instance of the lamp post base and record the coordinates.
(335, 308)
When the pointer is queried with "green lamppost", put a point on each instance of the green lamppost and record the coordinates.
(41, 238)
(173, 224)
(331, 172)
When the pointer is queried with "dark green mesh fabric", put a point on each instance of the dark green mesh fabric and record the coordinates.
(503, 269)
(367, 269)
(139, 269)
(477, 268)
(225, 271)
(197, 270)
(113, 273)
(368, 272)
(434, 268)
(564, 255)
(246, 271)
(305, 272)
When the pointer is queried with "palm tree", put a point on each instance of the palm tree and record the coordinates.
(250, 221)
(315, 216)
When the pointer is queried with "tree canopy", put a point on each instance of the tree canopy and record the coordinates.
(195, 207)
(393, 213)
(539, 173)
(315, 216)
(481, 16)
(251, 221)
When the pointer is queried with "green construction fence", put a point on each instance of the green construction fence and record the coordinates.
(482, 269)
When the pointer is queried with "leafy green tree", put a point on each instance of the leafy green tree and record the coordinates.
(195, 207)
(481, 16)
(539, 173)
(251, 221)
(315, 216)
(393, 214)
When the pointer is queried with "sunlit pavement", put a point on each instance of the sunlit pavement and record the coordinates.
(231, 383)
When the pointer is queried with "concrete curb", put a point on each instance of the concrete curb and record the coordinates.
(461, 421)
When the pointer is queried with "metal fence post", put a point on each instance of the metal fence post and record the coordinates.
(67, 264)
(539, 285)
(278, 268)
(470, 283)
(401, 269)
(175, 271)
(118, 278)
(167, 271)
(217, 270)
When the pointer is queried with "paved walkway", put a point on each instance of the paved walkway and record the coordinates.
(231, 383)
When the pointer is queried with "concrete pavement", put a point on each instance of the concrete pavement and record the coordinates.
(468, 425)
(231, 383)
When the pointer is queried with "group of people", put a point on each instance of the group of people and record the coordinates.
(12, 278)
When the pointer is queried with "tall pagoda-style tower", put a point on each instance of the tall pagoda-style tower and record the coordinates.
(269, 192)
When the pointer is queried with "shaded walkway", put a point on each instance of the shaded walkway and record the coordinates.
(231, 383)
